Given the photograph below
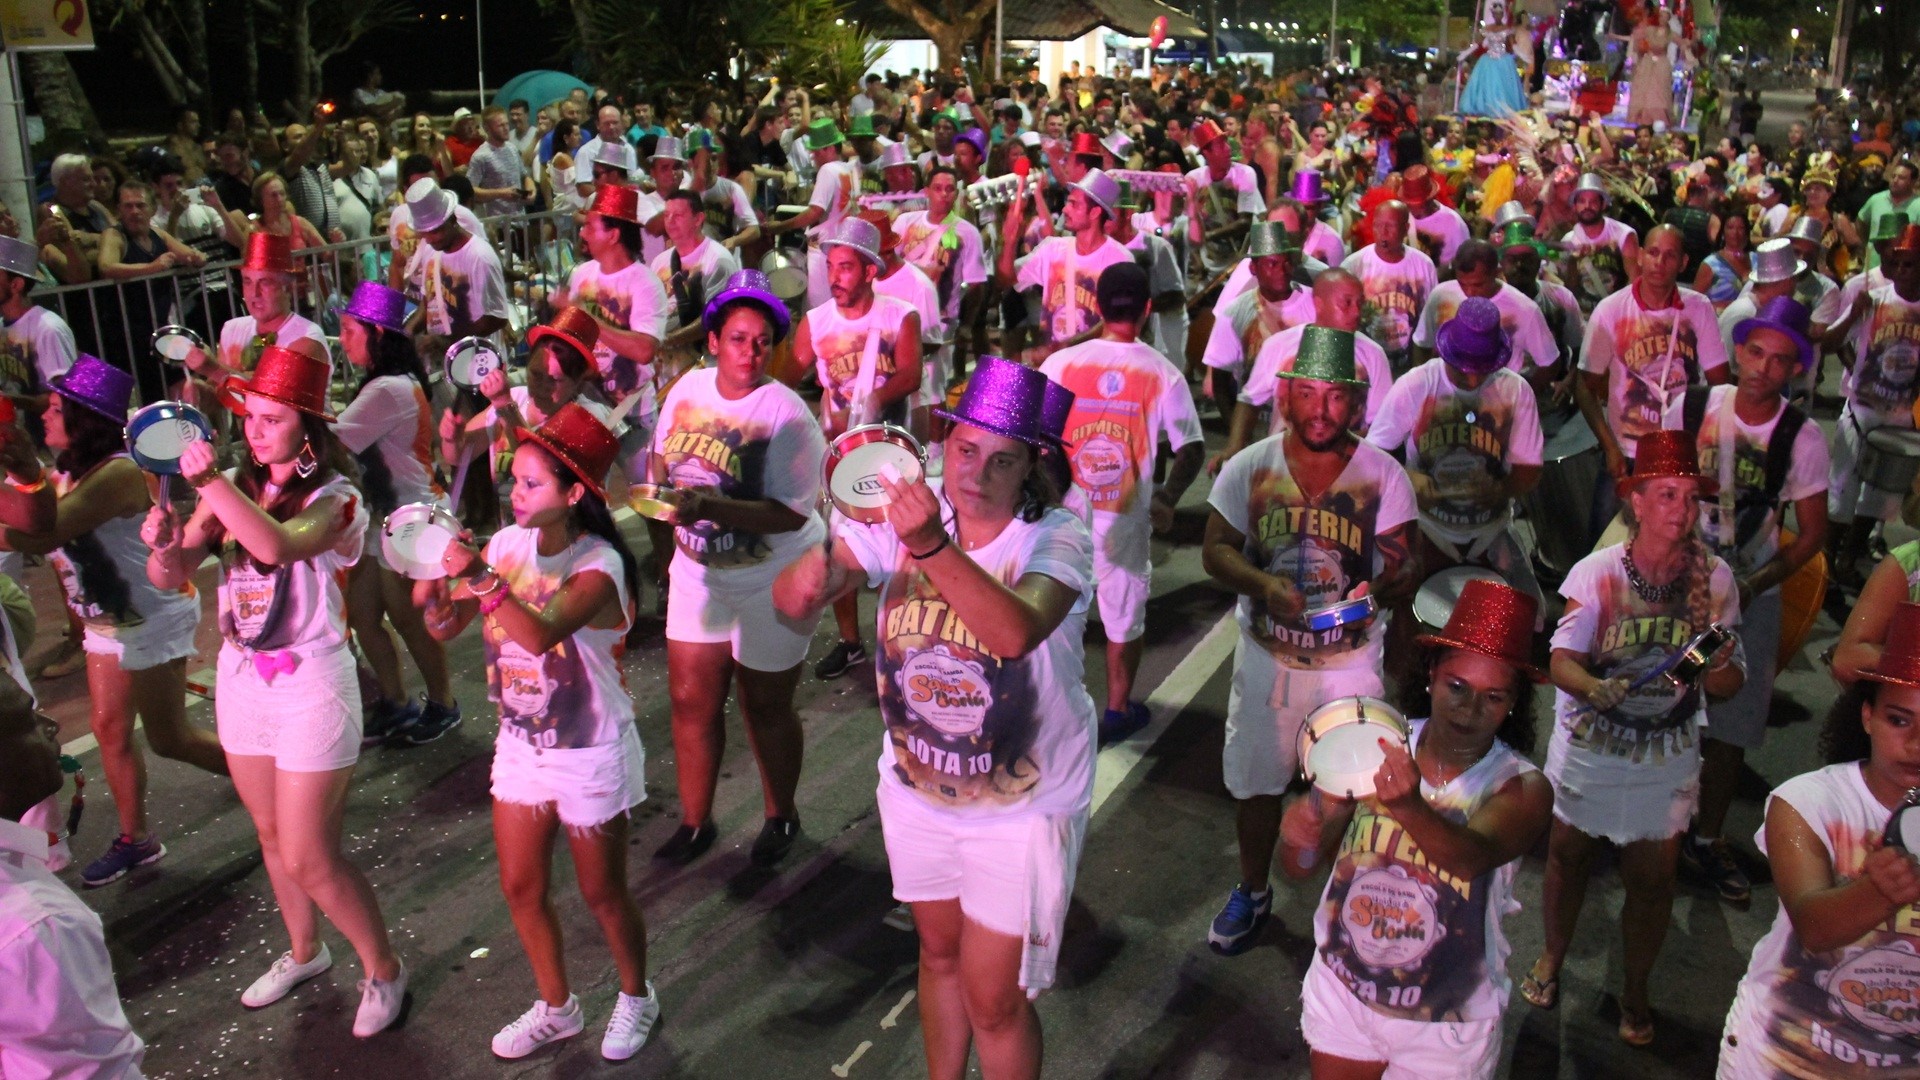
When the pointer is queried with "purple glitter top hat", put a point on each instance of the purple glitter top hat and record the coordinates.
(1786, 315)
(98, 385)
(1307, 187)
(1007, 399)
(1473, 340)
(377, 305)
(1054, 407)
(752, 286)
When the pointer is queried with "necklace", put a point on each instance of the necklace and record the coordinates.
(1652, 594)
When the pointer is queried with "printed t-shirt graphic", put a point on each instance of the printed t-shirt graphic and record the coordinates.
(834, 188)
(458, 288)
(1850, 1013)
(1325, 546)
(763, 446)
(1757, 521)
(1411, 940)
(633, 298)
(1396, 292)
(1248, 321)
(1232, 195)
(1626, 637)
(301, 605)
(1646, 385)
(839, 344)
(1466, 440)
(951, 269)
(567, 697)
(1596, 269)
(1068, 309)
(1887, 343)
(34, 348)
(1440, 233)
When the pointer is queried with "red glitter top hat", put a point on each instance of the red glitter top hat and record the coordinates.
(1416, 186)
(286, 376)
(1203, 133)
(270, 252)
(578, 441)
(1668, 453)
(1900, 657)
(617, 201)
(571, 325)
(1494, 620)
(1087, 143)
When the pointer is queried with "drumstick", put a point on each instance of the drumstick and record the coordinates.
(621, 410)
(1221, 279)
(460, 474)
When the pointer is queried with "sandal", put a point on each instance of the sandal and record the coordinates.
(1540, 993)
(1636, 1031)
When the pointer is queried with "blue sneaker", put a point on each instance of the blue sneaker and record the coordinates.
(1116, 725)
(124, 855)
(435, 720)
(1232, 931)
(386, 718)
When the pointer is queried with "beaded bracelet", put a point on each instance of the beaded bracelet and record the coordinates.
(491, 603)
(488, 572)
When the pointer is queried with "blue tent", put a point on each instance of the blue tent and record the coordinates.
(539, 88)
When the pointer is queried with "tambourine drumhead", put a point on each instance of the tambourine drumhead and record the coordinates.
(1340, 744)
(472, 359)
(645, 499)
(1903, 829)
(159, 433)
(174, 343)
(854, 467)
(415, 539)
(1433, 604)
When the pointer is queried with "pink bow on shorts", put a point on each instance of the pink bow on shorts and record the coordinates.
(277, 662)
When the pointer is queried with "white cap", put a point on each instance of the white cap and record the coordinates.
(461, 113)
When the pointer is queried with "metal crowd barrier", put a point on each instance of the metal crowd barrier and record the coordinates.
(115, 320)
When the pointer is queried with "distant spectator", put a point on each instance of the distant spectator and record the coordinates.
(608, 128)
(186, 144)
(73, 201)
(275, 214)
(371, 100)
(310, 177)
(233, 173)
(356, 188)
(465, 137)
(520, 130)
(499, 182)
(108, 174)
(193, 213)
(644, 124)
(424, 138)
(379, 155)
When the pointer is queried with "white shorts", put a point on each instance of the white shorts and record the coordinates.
(1121, 593)
(162, 639)
(306, 720)
(1266, 709)
(1337, 1023)
(702, 611)
(1620, 802)
(997, 868)
(587, 787)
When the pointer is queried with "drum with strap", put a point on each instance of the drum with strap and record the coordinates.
(1890, 459)
(1558, 506)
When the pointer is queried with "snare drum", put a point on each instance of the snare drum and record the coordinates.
(415, 539)
(174, 343)
(1559, 505)
(1890, 459)
(1344, 613)
(786, 270)
(651, 500)
(472, 359)
(1433, 604)
(854, 465)
(1340, 744)
(157, 434)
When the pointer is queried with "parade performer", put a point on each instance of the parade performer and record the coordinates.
(1601, 254)
(1338, 300)
(1494, 88)
(1244, 323)
(1066, 269)
(836, 188)
(1397, 279)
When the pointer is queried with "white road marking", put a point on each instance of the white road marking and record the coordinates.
(893, 1015)
(1167, 701)
(846, 1066)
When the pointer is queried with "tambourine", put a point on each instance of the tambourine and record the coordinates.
(1903, 825)
(1345, 613)
(1691, 661)
(1150, 181)
(160, 432)
(472, 359)
(415, 539)
(174, 343)
(651, 500)
(1339, 744)
(998, 191)
(856, 462)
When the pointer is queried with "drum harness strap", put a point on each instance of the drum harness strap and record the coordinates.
(1693, 410)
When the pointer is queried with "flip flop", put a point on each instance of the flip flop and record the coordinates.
(1541, 993)
(1636, 1031)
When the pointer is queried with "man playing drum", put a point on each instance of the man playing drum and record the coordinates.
(1764, 455)
(1883, 326)
(1067, 268)
(1310, 518)
(1338, 299)
(865, 349)
(1468, 428)
(1602, 254)
(835, 187)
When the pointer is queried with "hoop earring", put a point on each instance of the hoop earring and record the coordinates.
(307, 462)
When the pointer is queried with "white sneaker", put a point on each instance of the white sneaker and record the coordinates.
(380, 1002)
(632, 1021)
(539, 1026)
(283, 976)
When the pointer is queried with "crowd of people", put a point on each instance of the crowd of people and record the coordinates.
(1041, 294)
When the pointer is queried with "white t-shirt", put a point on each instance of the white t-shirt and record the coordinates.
(1468, 441)
(390, 418)
(631, 297)
(1324, 244)
(1846, 1013)
(707, 270)
(1396, 294)
(238, 351)
(1440, 233)
(1596, 266)
(1520, 317)
(404, 240)
(1886, 344)
(727, 207)
(1068, 308)
(1127, 397)
(951, 270)
(1624, 637)
(458, 288)
(1245, 323)
(34, 348)
(1772, 223)
(835, 188)
(763, 446)
(839, 347)
(1326, 546)
(1562, 312)
(298, 606)
(1759, 518)
(1646, 388)
(1409, 939)
(979, 736)
(1234, 194)
(909, 285)
(573, 695)
(1277, 354)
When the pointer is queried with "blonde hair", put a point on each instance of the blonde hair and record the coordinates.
(1696, 569)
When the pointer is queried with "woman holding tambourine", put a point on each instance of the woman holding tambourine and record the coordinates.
(137, 637)
(1433, 848)
(739, 456)
(986, 766)
(555, 596)
(287, 524)
(1829, 991)
(1625, 754)
(387, 427)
